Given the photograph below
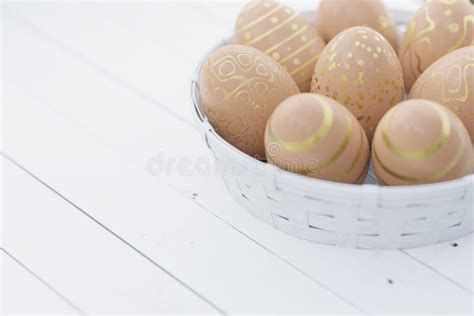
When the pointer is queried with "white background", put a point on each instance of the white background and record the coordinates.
(93, 94)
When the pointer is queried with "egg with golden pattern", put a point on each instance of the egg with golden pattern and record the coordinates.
(315, 136)
(239, 88)
(333, 17)
(420, 141)
(360, 69)
(284, 35)
(438, 28)
(450, 81)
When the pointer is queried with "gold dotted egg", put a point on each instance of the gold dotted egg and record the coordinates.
(360, 69)
(239, 88)
(284, 35)
(420, 141)
(313, 135)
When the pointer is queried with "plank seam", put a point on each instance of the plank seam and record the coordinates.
(42, 281)
(123, 240)
(438, 273)
(142, 95)
(105, 72)
(295, 267)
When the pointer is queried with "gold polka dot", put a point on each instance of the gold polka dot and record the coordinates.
(343, 77)
(453, 27)
(294, 26)
(296, 61)
(448, 12)
(274, 20)
(364, 36)
(357, 43)
(347, 100)
(276, 55)
(377, 38)
(379, 50)
(332, 66)
(369, 49)
(375, 55)
(349, 55)
(360, 62)
(247, 35)
(303, 38)
(347, 66)
(362, 45)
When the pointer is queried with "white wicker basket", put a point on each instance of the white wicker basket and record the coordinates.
(360, 216)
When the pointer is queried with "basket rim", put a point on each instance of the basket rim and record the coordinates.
(308, 181)
(206, 127)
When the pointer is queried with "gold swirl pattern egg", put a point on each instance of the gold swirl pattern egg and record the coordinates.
(420, 141)
(334, 17)
(360, 69)
(284, 35)
(450, 81)
(239, 88)
(438, 28)
(313, 135)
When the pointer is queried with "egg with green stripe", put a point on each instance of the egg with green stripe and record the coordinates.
(420, 141)
(315, 136)
(283, 34)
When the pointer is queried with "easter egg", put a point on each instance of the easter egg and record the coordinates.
(360, 69)
(239, 88)
(420, 141)
(450, 81)
(284, 35)
(438, 28)
(315, 136)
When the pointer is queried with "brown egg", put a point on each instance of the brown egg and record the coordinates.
(450, 81)
(438, 28)
(420, 141)
(284, 35)
(360, 69)
(315, 136)
(239, 88)
(334, 17)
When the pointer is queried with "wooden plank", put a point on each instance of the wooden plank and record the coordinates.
(173, 50)
(414, 278)
(80, 259)
(215, 259)
(455, 260)
(23, 292)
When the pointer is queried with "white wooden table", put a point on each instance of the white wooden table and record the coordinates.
(94, 98)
